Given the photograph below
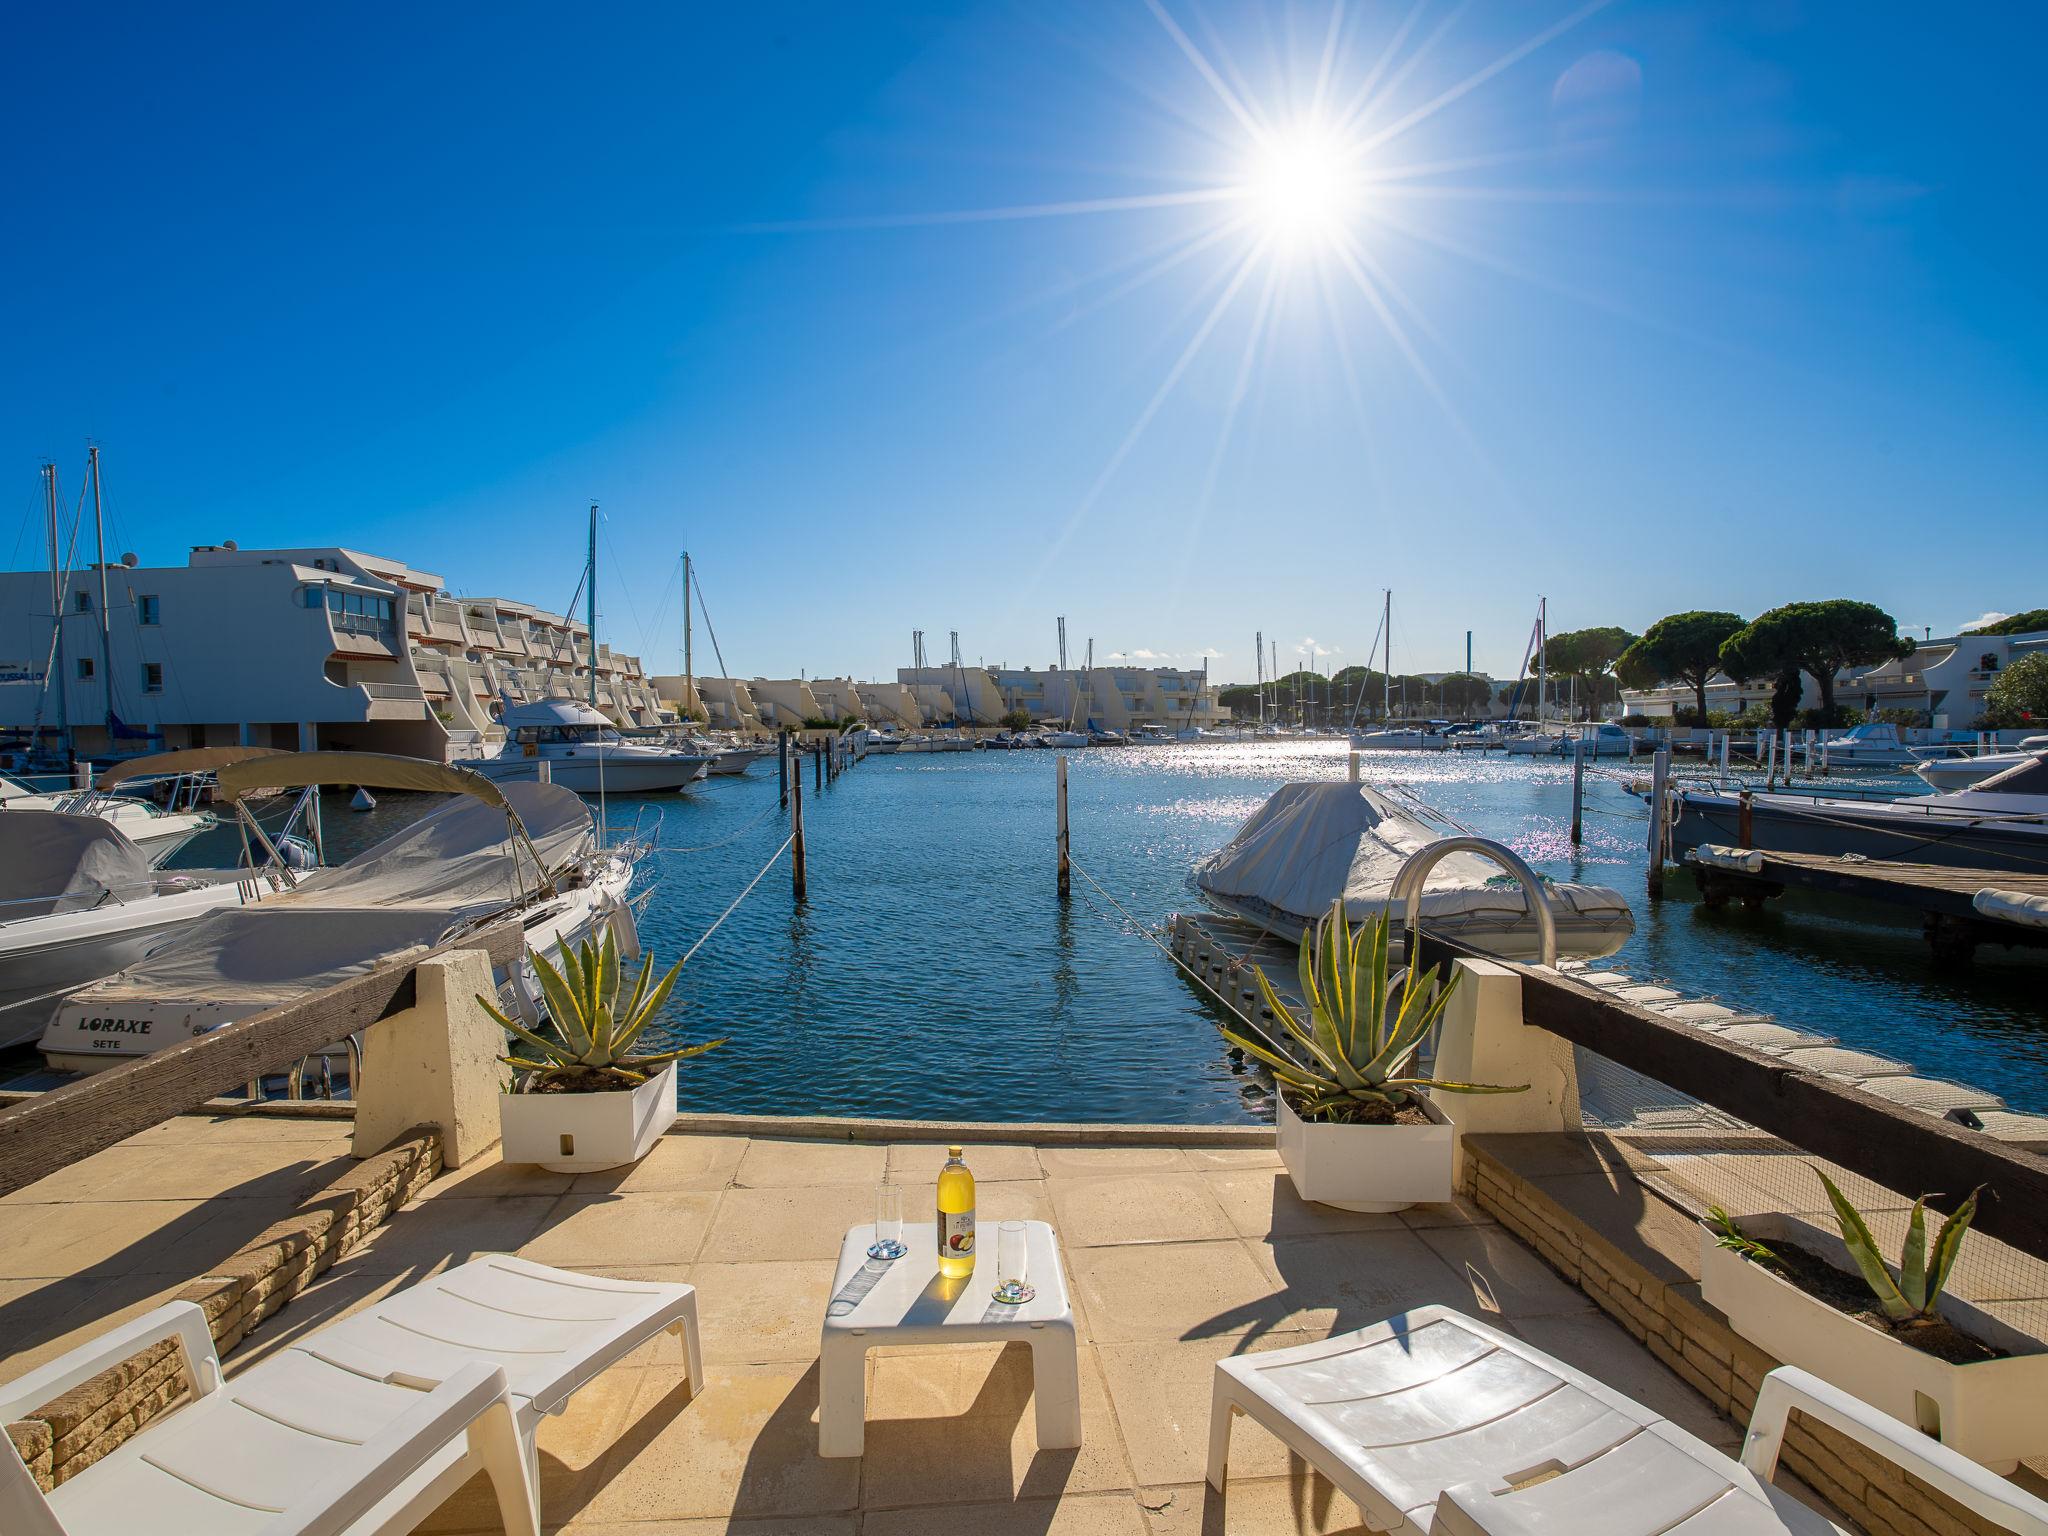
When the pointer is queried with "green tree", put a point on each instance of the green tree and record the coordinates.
(2020, 696)
(1241, 699)
(1819, 639)
(1588, 654)
(1679, 648)
(2019, 624)
(1017, 720)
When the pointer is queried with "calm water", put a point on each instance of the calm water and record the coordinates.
(934, 973)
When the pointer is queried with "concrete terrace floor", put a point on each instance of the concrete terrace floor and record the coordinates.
(1176, 1257)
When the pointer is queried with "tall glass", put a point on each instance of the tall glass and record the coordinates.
(888, 1242)
(1012, 1264)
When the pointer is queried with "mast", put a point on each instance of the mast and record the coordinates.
(99, 534)
(1542, 655)
(56, 611)
(689, 676)
(590, 602)
(1387, 659)
(1259, 650)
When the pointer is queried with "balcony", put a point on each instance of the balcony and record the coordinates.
(393, 701)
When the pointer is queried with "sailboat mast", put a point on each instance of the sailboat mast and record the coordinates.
(1387, 659)
(1542, 654)
(590, 602)
(57, 610)
(689, 676)
(99, 534)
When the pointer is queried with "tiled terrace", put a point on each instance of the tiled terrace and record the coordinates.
(1176, 1256)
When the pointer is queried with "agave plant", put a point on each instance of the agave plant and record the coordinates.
(1729, 1235)
(1909, 1300)
(1359, 1045)
(597, 1030)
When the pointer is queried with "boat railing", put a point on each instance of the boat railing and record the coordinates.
(1408, 883)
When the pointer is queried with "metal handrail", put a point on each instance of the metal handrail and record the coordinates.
(1408, 883)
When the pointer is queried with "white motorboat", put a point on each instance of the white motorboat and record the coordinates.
(1313, 843)
(879, 741)
(1425, 737)
(583, 752)
(524, 850)
(1102, 738)
(1967, 771)
(157, 830)
(79, 901)
(1873, 744)
(724, 759)
(2000, 823)
(1064, 738)
(1604, 740)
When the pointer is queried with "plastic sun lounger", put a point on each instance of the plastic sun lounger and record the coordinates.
(552, 1330)
(1402, 1415)
(293, 1447)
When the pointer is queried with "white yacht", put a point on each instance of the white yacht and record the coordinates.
(519, 849)
(725, 759)
(1064, 738)
(78, 901)
(1873, 744)
(584, 753)
(1312, 843)
(880, 741)
(1967, 771)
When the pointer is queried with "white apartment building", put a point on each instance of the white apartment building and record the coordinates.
(1111, 698)
(1945, 678)
(295, 648)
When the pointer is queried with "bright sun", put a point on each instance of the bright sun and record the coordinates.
(1301, 186)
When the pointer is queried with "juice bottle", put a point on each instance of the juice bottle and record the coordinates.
(956, 1217)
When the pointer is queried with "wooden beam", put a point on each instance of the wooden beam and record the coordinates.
(66, 1125)
(1906, 1150)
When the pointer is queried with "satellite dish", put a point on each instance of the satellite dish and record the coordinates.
(129, 560)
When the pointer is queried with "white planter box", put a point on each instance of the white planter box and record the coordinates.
(587, 1132)
(1993, 1411)
(1369, 1167)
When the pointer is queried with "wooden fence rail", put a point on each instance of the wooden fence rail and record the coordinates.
(56, 1129)
(1905, 1150)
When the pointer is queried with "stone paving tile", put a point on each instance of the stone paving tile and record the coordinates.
(1162, 1291)
(623, 1229)
(678, 1162)
(487, 1178)
(270, 1169)
(747, 1446)
(1261, 1202)
(213, 1130)
(753, 1225)
(1303, 1503)
(781, 1164)
(1504, 1276)
(751, 1313)
(960, 1426)
(1082, 1162)
(803, 1525)
(1205, 1159)
(49, 1318)
(429, 1235)
(1160, 1391)
(1137, 1207)
(992, 1163)
(1333, 1284)
(1458, 1212)
(1115, 1514)
(127, 1237)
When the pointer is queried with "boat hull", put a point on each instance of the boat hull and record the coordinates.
(1881, 832)
(585, 775)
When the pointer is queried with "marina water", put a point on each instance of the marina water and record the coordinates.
(934, 973)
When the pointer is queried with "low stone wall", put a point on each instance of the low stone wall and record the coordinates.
(1637, 1260)
(64, 1437)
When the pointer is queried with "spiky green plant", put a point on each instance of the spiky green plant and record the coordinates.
(597, 1031)
(1359, 1044)
(1909, 1298)
(1729, 1235)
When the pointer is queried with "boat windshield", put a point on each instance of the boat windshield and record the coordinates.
(567, 735)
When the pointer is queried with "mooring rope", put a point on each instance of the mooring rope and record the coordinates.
(728, 912)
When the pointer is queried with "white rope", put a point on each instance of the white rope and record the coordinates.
(728, 912)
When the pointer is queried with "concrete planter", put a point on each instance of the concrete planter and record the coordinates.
(587, 1132)
(1368, 1167)
(1993, 1411)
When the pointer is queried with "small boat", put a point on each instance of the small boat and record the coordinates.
(180, 778)
(1968, 771)
(584, 752)
(1427, 736)
(723, 759)
(520, 849)
(1999, 823)
(1873, 744)
(879, 741)
(1313, 843)
(1102, 738)
(1064, 738)
(78, 901)
(1605, 740)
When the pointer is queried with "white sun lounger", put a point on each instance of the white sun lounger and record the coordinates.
(293, 1447)
(1433, 1422)
(552, 1330)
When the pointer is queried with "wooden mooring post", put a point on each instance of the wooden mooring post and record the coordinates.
(818, 765)
(1578, 789)
(1060, 823)
(782, 764)
(799, 885)
(1660, 780)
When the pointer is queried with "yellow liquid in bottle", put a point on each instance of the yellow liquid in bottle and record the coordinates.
(956, 1217)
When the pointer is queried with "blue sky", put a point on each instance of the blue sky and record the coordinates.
(1641, 306)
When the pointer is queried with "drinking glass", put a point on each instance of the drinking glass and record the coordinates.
(1011, 1265)
(888, 1223)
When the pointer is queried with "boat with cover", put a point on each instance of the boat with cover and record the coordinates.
(2000, 823)
(160, 830)
(1966, 772)
(584, 752)
(1313, 843)
(78, 901)
(522, 850)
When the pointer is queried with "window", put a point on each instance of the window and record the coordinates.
(146, 609)
(84, 668)
(152, 677)
(81, 601)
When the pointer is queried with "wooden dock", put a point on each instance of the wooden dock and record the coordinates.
(1944, 896)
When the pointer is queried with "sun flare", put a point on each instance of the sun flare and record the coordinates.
(1302, 187)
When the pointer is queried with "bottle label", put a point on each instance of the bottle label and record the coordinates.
(956, 1233)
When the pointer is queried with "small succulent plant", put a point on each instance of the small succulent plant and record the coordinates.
(1909, 1299)
(597, 1029)
(1359, 1045)
(1729, 1235)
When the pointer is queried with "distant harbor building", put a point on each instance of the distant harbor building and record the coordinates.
(1943, 679)
(295, 648)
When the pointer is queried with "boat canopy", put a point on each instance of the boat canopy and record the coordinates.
(52, 861)
(375, 770)
(186, 760)
(1312, 843)
(552, 712)
(402, 896)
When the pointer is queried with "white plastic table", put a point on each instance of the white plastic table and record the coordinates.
(907, 1301)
